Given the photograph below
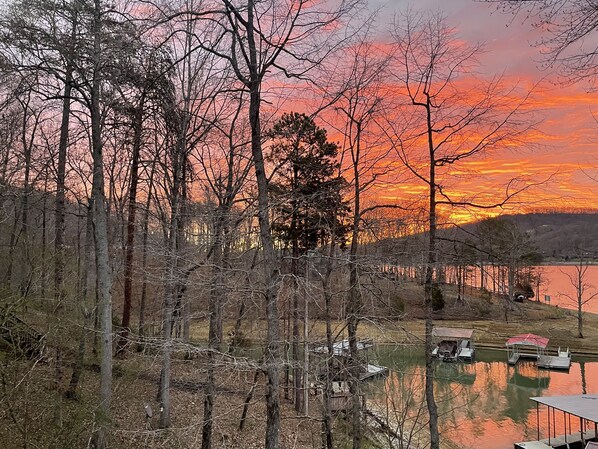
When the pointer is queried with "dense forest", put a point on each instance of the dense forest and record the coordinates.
(183, 179)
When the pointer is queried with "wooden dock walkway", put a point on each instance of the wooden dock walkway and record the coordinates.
(557, 442)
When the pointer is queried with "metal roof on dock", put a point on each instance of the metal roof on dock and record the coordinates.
(452, 332)
(581, 405)
(528, 340)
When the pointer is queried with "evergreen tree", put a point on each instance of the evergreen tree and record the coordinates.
(306, 187)
(306, 195)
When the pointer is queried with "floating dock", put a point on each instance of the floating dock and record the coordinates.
(373, 371)
(562, 360)
(554, 362)
(558, 442)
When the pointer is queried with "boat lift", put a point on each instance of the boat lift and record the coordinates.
(453, 344)
(533, 346)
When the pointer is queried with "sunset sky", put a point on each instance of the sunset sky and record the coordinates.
(564, 153)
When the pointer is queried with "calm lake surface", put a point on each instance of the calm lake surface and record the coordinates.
(557, 284)
(484, 404)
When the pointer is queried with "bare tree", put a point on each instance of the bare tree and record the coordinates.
(443, 123)
(225, 167)
(191, 110)
(584, 291)
(256, 38)
(569, 33)
(357, 106)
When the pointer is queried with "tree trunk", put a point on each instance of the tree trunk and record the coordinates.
(354, 301)
(580, 307)
(171, 283)
(84, 307)
(295, 346)
(171, 268)
(144, 238)
(327, 413)
(131, 228)
(272, 359)
(59, 213)
(428, 287)
(215, 331)
(101, 237)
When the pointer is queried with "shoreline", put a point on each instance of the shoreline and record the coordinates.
(557, 324)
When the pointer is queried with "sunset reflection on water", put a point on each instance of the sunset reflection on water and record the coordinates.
(481, 404)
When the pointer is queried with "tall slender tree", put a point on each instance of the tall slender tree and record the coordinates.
(444, 122)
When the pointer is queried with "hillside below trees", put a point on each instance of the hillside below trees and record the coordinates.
(560, 237)
(554, 237)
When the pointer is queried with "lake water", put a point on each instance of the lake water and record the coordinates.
(557, 284)
(482, 404)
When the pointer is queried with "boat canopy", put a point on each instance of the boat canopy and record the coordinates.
(447, 333)
(528, 340)
(581, 405)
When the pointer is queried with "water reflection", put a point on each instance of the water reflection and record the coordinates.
(481, 404)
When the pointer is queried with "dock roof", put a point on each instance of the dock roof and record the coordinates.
(581, 405)
(528, 340)
(452, 332)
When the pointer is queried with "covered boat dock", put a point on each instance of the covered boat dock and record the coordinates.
(528, 346)
(533, 346)
(579, 412)
(453, 343)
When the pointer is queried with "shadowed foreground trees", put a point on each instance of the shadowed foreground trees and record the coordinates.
(256, 39)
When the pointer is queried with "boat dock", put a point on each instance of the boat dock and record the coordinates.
(561, 361)
(514, 358)
(582, 407)
(453, 344)
(554, 362)
(561, 441)
(533, 347)
(373, 371)
(341, 352)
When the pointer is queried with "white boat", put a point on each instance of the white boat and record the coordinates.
(453, 344)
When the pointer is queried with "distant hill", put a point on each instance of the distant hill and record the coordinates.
(559, 236)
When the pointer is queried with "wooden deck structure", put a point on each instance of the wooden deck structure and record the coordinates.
(341, 352)
(560, 361)
(21, 336)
